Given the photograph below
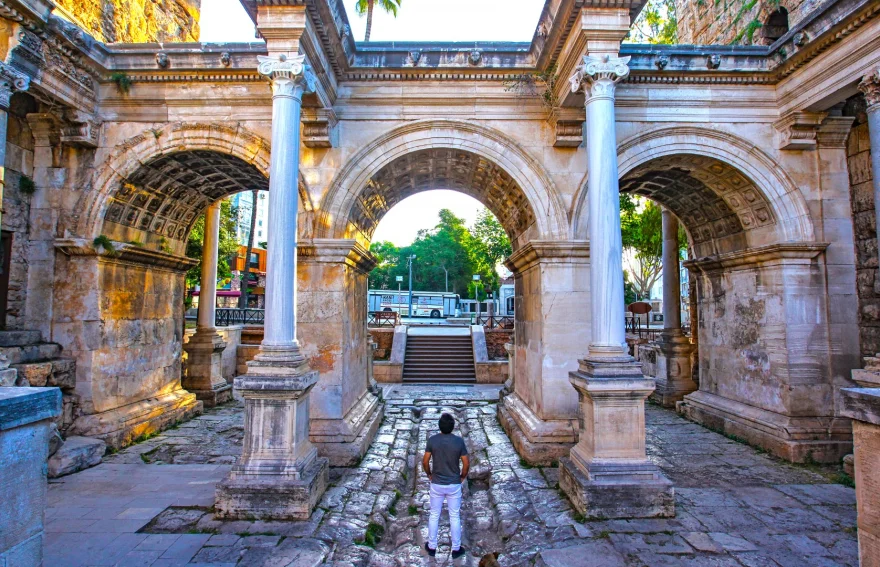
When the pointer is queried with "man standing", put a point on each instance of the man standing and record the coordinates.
(446, 449)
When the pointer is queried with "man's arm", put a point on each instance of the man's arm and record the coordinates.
(465, 467)
(426, 464)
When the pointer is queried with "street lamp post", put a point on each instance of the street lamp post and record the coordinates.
(476, 279)
(410, 262)
(399, 283)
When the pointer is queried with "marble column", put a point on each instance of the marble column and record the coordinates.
(204, 374)
(673, 349)
(607, 474)
(279, 475)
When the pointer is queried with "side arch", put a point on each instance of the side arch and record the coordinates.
(790, 211)
(551, 220)
(155, 143)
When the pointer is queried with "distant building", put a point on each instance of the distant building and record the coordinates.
(244, 203)
(256, 281)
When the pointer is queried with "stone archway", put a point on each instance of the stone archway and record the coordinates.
(763, 322)
(470, 150)
(549, 268)
(128, 301)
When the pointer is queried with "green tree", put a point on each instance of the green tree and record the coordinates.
(245, 279)
(656, 24)
(490, 232)
(228, 245)
(641, 224)
(447, 257)
(366, 7)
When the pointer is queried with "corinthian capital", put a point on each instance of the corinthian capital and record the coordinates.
(11, 80)
(290, 76)
(600, 73)
(870, 87)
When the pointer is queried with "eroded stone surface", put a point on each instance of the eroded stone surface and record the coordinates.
(735, 506)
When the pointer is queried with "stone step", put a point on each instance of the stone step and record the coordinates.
(59, 372)
(38, 352)
(19, 338)
(76, 454)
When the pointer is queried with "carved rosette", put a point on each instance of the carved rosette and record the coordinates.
(11, 81)
(600, 74)
(870, 87)
(290, 76)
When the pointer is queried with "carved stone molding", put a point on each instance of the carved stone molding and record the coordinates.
(789, 253)
(124, 253)
(548, 251)
(799, 130)
(11, 80)
(569, 133)
(870, 87)
(834, 131)
(290, 76)
(45, 128)
(318, 128)
(81, 130)
(336, 251)
(600, 74)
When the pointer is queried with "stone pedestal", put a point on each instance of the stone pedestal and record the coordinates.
(674, 378)
(862, 405)
(204, 368)
(25, 418)
(279, 475)
(608, 474)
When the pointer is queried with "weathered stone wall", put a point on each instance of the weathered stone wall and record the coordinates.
(16, 204)
(384, 338)
(136, 21)
(495, 341)
(738, 22)
(858, 154)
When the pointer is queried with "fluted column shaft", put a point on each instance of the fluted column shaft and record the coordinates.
(208, 288)
(290, 79)
(671, 274)
(870, 87)
(606, 247)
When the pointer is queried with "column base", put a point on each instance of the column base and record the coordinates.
(796, 439)
(203, 375)
(264, 497)
(345, 441)
(674, 380)
(118, 427)
(617, 491)
(279, 475)
(539, 442)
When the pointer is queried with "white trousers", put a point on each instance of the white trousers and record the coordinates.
(451, 493)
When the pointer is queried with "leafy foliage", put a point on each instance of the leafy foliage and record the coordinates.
(366, 7)
(228, 246)
(656, 24)
(540, 84)
(641, 226)
(449, 252)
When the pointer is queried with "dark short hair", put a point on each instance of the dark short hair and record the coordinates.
(447, 423)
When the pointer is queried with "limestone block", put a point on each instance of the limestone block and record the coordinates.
(76, 454)
(593, 554)
(36, 373)
(25, 417)
(8, 377)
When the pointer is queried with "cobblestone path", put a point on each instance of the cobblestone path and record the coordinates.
(150, 504)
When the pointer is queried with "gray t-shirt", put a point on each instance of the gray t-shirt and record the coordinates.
(446, 450)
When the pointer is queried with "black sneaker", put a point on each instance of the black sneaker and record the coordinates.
(431, 552)
(458, 552)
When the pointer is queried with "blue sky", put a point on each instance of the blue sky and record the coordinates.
(418, 20)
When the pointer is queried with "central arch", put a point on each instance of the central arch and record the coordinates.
(474, 159)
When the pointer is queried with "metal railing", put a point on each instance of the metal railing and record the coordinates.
(226, 317)
(495, 321)
(383, 319)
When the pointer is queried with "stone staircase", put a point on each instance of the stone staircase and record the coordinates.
(439, 359)
(38, 364)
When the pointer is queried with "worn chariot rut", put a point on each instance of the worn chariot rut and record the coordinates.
(151, 503)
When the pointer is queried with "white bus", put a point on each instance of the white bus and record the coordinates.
(434, 304)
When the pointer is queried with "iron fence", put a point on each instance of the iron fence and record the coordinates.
(495, 321)
(383, 319)
(226, 317)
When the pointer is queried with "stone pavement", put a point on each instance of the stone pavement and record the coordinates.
(151, 503)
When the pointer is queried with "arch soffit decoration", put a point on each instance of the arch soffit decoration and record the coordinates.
(157, 143)
(352, 180)
(793, 223)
